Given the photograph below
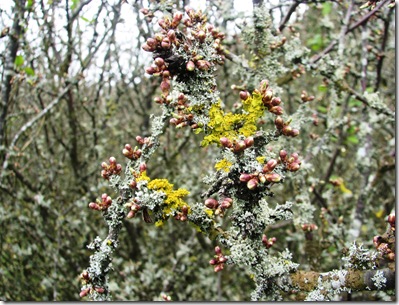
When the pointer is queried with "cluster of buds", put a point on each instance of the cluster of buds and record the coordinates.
(168, 45)
(285, 128)
(268, 242)
(305, 97)
(166, 297)
(219, 206)
(383, 246)
(218, 260)
(267, 176)
(85, 278)
(101, 205)
(110, 169)
(130, 153)
(291, 163)
(237, 146)
(133, 207)
(141, 141)
(87, 290)
(182, 118)
(182, 216)
(269, 100)
(309, 227)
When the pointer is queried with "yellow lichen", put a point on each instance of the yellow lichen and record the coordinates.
(261, 159)
(223, 165)
(231, 125)
(173, 198)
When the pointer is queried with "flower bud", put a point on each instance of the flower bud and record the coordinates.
(84, 292)
(147, 48)
(131, 214)
(225, 142)
(94, 206)
(190, 66)
(203, 65)
(152, 43)
(249, 141)
(270, 165)
(222, 259)
(277, 110)
(171, 35)
(244, 95)
(276, 101)
(391, 220)
(245, 177)
(293, 167)
(133, 184)
(165, 43)
(112, 161)
(142, 167)
(211, 203)
(99, 290)
(240, 146)
(165, 85)
(218, 268)
(218, 250)
(159, 61)
(213, 261)
(279, 122)
(252, 184)
(201, 35)
(262, 178)
(283, 155)
(273, 177)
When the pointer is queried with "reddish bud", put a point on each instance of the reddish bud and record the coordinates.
(159, 61)
(240, 146)
(142, 167)
(270, 165)
(99, 290)
(283, 155)
(218, 268)
(84, 292)
(225, 142)
(244, 95)
(112, 160)
(222, 259)
(165, 43)
(293, 167)
(245, 177)
(190, 66)
(165, 85)
(131, 214)
(279, 122)
(277, 110)
(133, 184)
(252, 184)
(213, 261)
(152, 43)
(218, 250)
(249, 141)
(211, 203)
(276, 101)
(273, 177)
(391, 220)
(203, 65)
(147, 48)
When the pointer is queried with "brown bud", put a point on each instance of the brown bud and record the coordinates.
(211, 203)
(276, 101)
(165, 85)
(159, 61)
(147, 48)
(277, 110)
(165, 43)
(279, 122)
(240, 146)
(249, 141)
(133, 184)
(391, 220)
(244, 95)
(225, 142)
(283, 155)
